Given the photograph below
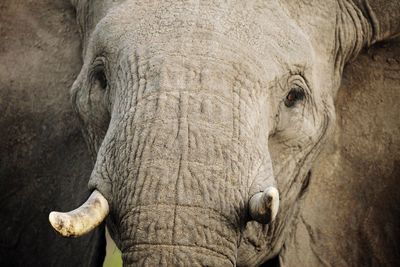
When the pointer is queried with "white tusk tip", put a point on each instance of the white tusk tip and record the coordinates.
(83, 219)
(61, 224)
(264, 206)
(272, 195)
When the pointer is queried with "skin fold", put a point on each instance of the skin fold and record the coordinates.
(191, 108)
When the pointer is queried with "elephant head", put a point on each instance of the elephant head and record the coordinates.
(204, 119)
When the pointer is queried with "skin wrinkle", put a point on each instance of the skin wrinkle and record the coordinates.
(353, 26)
(126, 218)
(272, 231)
(226, 240)
(355, 18)
(131, 142)
(215, 253)
(173, 246)
(182, 124)
(210, 244)
(154, 120)
(191, 260)
(134, 68)
(308, 153)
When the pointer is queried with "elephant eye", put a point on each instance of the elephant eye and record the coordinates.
(296, 94)
(100, 79)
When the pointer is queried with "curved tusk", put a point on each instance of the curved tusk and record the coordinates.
(264, 205)
(83, 219)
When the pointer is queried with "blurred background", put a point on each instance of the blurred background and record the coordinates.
(113, 255)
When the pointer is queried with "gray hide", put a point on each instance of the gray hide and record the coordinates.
(351, 216)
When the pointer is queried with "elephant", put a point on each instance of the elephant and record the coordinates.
(204, 120)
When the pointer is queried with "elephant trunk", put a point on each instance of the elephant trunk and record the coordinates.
(182, 203)
(178, 235)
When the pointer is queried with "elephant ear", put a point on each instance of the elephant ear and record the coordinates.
(88, 14)
(383, 17)
(44, 163)
(350, 216)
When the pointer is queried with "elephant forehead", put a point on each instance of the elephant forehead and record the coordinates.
(262, 28)
(199, 73)
(217, 91)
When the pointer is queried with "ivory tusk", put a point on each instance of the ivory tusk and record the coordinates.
(83, 219)
(264, 205)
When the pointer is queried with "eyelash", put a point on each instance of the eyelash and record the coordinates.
(98, 76)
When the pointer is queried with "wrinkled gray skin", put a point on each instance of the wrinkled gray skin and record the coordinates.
(350, 215)
(191, 121)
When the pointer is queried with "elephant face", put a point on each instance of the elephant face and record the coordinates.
(197, 115)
